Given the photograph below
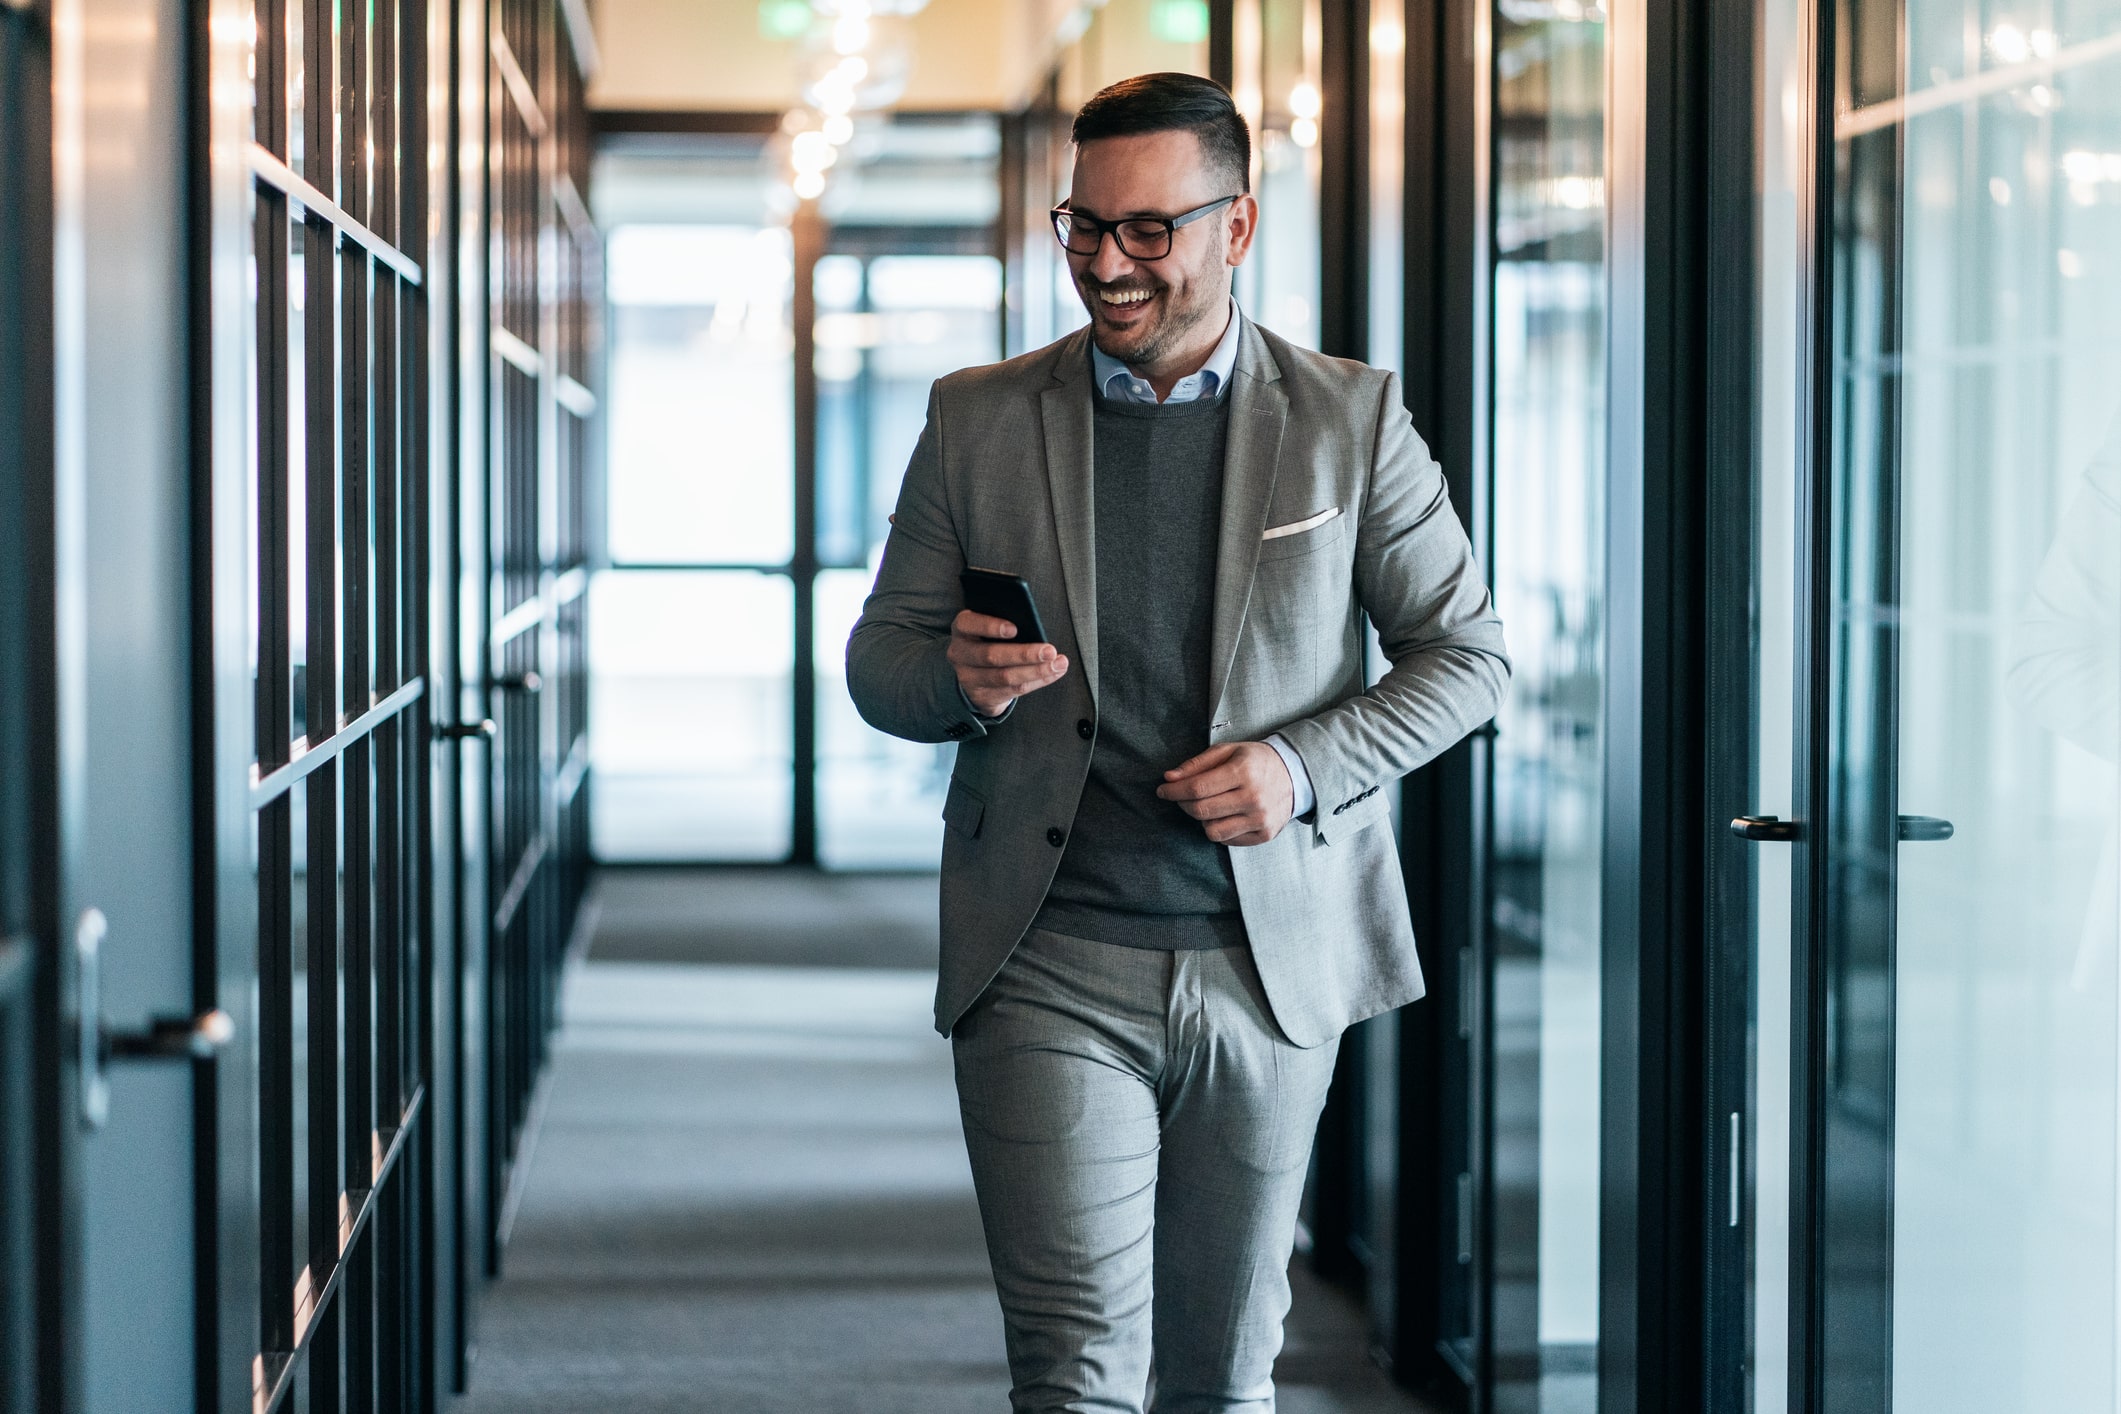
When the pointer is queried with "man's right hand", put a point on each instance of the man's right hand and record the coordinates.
(993, 671)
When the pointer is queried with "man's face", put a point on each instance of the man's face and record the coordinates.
(1144, 312)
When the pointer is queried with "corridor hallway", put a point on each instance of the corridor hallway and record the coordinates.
(747, 1190)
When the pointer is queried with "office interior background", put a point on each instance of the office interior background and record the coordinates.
(444, 445)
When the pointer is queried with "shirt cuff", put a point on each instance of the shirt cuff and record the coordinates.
(1299, 777)
(982, 718)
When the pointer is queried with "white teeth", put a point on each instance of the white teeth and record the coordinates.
(1124, 296)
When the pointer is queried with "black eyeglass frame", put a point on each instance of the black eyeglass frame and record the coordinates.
(1063, 218)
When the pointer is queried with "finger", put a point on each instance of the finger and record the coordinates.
(1213, 782)
(973, 625)
(1256, 837)
(1016, 675)
(983, 653)
(1192, 765)
(1233, 828)
(1221, 807)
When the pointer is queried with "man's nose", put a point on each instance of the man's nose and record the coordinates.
(1110, 263)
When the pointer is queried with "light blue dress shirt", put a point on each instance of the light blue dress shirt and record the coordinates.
(1119, 384)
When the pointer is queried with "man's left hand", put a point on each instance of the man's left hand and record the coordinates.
(1240, 792)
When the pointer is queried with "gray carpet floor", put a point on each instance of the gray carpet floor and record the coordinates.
(771, 917)
(748, 1191)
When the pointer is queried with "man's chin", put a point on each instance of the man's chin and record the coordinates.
(1126, 345)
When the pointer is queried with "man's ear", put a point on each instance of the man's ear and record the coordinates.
(1244, 225)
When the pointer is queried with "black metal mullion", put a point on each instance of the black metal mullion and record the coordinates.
(278, 1260)
(357, 558)
(420, 960)
(320, 296)
(809, 232)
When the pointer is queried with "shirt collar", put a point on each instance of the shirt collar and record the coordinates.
(1117, 383)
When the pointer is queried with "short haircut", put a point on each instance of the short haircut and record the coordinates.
(1161, 103)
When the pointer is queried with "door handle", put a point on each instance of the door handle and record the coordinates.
(484, 729)
(530, 681)
(1915, 829)
(164, 1038)
(173, 1038)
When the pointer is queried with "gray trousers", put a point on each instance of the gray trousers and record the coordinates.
(1139, 1132)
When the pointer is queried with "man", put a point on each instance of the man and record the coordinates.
(1168, 884)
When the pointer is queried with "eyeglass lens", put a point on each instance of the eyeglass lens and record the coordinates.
(1139, 240)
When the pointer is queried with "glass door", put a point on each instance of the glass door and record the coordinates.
(1544, 922)
(1940, 509)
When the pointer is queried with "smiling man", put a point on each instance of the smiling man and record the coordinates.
(1169, 877)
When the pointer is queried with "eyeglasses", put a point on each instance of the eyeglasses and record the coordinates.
(1138, 237)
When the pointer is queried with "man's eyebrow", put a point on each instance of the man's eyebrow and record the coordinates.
(1141, 215)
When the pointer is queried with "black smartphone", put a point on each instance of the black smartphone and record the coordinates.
(1001, 595)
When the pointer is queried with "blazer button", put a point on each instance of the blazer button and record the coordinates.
(1083, 729)
(1056, 837)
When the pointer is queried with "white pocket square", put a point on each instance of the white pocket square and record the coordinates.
(1298, 527)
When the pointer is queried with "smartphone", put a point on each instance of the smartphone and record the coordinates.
(1001, 595)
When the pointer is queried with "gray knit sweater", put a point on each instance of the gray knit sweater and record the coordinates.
(1137, 870)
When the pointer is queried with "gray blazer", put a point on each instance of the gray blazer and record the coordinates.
(1332, 508)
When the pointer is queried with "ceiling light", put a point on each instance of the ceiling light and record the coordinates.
(812, 152)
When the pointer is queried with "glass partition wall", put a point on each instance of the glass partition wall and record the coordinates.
(707, 746)
(1968, 595)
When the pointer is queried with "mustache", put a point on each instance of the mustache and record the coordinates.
(1122, 286)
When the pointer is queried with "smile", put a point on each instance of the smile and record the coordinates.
(1124, 297)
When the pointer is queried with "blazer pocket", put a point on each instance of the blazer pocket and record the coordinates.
(963, 810)
(1302, 537)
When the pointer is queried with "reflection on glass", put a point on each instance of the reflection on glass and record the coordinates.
(701, 423)
(1780, 121)
(690, 714)
(888, 328)
(1976, 671)
(1278, 92)
(1549, 450)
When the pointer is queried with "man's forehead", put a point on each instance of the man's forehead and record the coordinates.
(1150, 173)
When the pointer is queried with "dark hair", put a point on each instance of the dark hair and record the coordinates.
(1161, 103)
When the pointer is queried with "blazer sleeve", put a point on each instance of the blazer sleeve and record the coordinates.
(1416, 579)
(897, 672)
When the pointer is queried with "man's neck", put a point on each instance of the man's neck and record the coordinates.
(1178, 369)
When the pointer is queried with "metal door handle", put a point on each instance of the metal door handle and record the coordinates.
(465, 731)
(166, 1037)
(173, 1038)
(521, 682)
(1770, 828)
(1919, 829)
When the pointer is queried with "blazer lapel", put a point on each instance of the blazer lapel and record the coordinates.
(1251, 460)
(1066, 411)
